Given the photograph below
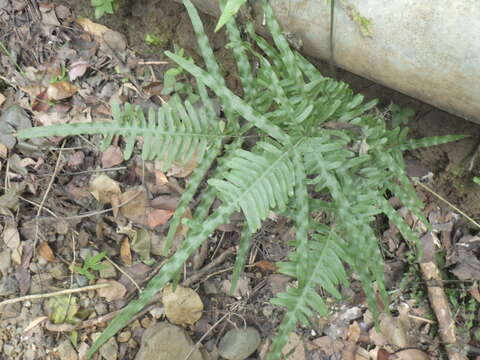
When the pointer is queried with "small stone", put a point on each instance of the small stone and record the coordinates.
(146, 322)
(109, 270)
(8, 349)
(101, 308)
(58, 271)
(157, 312)
(109, 350)
(66, 351)
(124, 336)
(239, 344)
(164, 341)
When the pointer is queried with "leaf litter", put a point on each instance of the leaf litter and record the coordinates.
(68, 71)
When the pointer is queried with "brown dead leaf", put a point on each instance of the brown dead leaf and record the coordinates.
(160, 178)
(2, 99)
(411, 354)
(115, 41)
(45, 251)
(157, 217)
(182, 306)
(383, 354)
(125, 251)
(3, 151)
(61, 90)
(266, 265)
(76, 159)
(92, 28)
(11, 236)
(137, 208)
(154, 88)
(183, 170)
(103, 188)
(40, 102)
(113, 292)
(112, 156)
(77, 70)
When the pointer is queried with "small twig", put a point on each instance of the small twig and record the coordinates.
(52, 294)
(202, 272)
(124, 273)
(448, 203)
(153, 63)
(421, 319)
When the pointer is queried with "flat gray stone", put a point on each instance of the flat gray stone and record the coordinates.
(164, 341)
(239, 344)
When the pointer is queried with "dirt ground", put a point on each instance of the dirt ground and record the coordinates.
(56, 183)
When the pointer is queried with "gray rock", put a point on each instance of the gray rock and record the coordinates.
(66, 351)
(164, 341)
(239, 344)
(109, 350)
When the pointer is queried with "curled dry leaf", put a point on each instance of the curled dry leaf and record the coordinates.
(61, 90)
(77, 69)
(125, 251)
(182, 306)
(135, 210)
(92, 28)
(103, 188)
(11, 236)
(157, 217)
(45, 251)
(113, 292)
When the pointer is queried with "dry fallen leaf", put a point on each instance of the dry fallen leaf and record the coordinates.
(411, 354)
(61, 90)
(182, 306)
(3, 151)
(11, 236)
(157, 217)
(125, 251)
(92, 28)
(77, 69)
(45, 251)
(103, 188)
(112, 156)
(113, 292)
(135, 210)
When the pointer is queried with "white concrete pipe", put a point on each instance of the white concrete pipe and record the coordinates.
(429, 50)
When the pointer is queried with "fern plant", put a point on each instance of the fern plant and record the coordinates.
(321, 150)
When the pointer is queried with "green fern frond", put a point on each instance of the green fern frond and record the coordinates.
(324, 259)
(173, 133)
(257, 182)
(412, 144)
(243, 247)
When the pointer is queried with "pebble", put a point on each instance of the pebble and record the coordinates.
(239, 344)
(164, 341)
(66, 351)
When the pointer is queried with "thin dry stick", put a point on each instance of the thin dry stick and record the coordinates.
(124, 273)
(200, 273)
(52, 294)
(50, 183)
(441, 308)
(448, 203)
